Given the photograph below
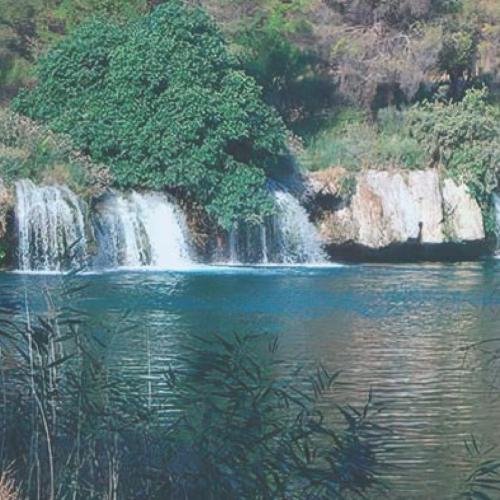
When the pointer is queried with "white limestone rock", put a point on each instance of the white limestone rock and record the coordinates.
(397, 207)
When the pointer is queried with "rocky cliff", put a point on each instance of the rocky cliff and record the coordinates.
(385, 215)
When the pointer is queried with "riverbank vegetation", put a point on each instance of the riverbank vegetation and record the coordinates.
(219, 422)
(163, 103)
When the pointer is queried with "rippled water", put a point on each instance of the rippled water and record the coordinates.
(400, 330)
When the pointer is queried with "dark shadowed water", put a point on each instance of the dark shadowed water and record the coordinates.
(400, 330)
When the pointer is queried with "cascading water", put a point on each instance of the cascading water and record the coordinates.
(298, 239)
(51, 228)
(138, 230)
(288, 237)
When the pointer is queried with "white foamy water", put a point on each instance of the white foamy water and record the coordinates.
(50, 228)
(298, 237)
(288, 237)
(56, 232)
(140, 230)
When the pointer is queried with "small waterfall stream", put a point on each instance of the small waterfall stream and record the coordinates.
(288, 237)
(298, 238)
(51, 228)
(138, 230)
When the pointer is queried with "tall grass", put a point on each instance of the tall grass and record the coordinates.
(483, 482)
(227, 424)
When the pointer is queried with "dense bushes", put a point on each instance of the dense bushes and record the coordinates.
(295, 79)
(372, 52)
(464, 137)
(354, 142)
(163, 103)
(28, 27)
(307, 55)
(28, 150)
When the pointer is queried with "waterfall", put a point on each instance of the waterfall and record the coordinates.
(145, 230)
(140, 230)
(50, 228)
(288, 237)
(298, 239)
(263, 245)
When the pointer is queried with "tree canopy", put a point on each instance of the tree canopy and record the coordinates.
(161, 101)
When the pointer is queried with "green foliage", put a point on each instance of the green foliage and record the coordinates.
(347, 187)
(307, 55)
(31, 151)
(459, 53)
(163, 103)
(464, 138)
(73, 12)
(293, 78)
(355, 143)
(28, 27)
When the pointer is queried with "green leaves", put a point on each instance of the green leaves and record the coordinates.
(464, 138)
(162, 102)
(253, 434)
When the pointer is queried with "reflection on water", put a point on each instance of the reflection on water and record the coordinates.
(400, 330)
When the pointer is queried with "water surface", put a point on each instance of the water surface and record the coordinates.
(400, 330)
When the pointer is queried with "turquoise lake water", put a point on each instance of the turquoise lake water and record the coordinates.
(400, 330)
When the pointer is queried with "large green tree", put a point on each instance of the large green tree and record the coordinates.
(162, 102)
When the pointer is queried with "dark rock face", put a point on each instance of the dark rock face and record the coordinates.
(411, 252)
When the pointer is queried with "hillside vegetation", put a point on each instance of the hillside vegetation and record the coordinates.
(307, 54)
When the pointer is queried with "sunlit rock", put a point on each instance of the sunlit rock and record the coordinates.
(394, 209)
(462, 213)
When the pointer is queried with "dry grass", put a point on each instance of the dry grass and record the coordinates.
(8, 489)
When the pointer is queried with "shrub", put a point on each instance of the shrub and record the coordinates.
(356, 143)
(28, 150)
(164, 104)
(464, 138)
(294, 80)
